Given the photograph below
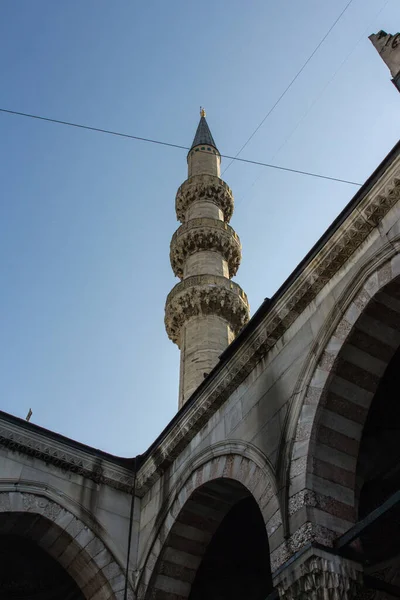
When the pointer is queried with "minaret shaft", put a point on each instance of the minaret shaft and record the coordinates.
(203, 339)
(204, 312)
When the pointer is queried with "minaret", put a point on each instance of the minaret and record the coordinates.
(206, 310)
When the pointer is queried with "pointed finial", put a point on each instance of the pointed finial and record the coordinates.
(202, 112)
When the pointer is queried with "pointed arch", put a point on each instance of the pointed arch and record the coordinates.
(335, 408)
(204, 497)
(65, 538)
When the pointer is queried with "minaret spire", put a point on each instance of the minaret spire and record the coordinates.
(203, 134)
(206, 310)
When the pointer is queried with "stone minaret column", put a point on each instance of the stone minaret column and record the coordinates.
(206, 310)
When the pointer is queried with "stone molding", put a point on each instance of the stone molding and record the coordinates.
(321, 577)
(202, 187)
(205, 234)
(205, 295)
(65, 457)
(330, 259)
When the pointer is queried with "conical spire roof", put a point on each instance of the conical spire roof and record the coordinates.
(203, 133)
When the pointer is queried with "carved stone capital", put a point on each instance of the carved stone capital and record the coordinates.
(321, 578)
(205, 234)
(204, 187)
(205, 295)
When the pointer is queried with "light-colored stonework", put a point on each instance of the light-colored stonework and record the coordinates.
(278, 419)
(388, 47)
(206, 311)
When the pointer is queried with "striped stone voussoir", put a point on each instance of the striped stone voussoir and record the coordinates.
(197, 511)
(67, 539)
(329, 430)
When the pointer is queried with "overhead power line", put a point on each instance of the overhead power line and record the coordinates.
(161, 143)
(299, 72)
(386, 2)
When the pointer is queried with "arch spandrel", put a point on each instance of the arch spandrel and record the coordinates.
(66, 539)
(213, 486)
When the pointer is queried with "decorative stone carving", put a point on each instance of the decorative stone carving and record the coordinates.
(204, 187)
(59, 454)
(205, 234)
(320, 579)
(205, 295)
(377, 209)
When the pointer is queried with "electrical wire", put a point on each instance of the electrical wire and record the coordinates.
(161, 143)
(299, 72)
(325, 87)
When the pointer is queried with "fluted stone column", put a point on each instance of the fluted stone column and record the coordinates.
(206, 310)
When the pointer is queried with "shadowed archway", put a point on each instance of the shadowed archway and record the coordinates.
(236, 562)
(36, 526)
(378, 478)
(27, 572)
(336, 407)
(216, 549)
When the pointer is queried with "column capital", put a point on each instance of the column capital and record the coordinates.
(319, 575)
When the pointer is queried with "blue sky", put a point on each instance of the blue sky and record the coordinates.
(86, 219)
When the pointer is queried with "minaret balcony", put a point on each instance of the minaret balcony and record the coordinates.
(205, 295)
(204, 234)
(207, 188)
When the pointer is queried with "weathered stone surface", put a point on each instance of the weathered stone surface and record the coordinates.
(320, 577)
(388, 47)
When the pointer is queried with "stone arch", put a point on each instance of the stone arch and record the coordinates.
(215, 483)
(335, 408)
(65, 538)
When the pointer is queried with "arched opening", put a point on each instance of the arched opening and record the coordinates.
(30, 546)
(348, 437)
(236, 562)
(217, 548)
(378, 476)
(27, 572)
(40, 560)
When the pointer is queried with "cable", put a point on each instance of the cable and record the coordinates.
(262, 164)
(143, 139)
(290, 84)
(125, 135)
(386, 2)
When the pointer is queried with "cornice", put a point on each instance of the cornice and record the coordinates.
(333, 255)
(58, 453)
(202, 234)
